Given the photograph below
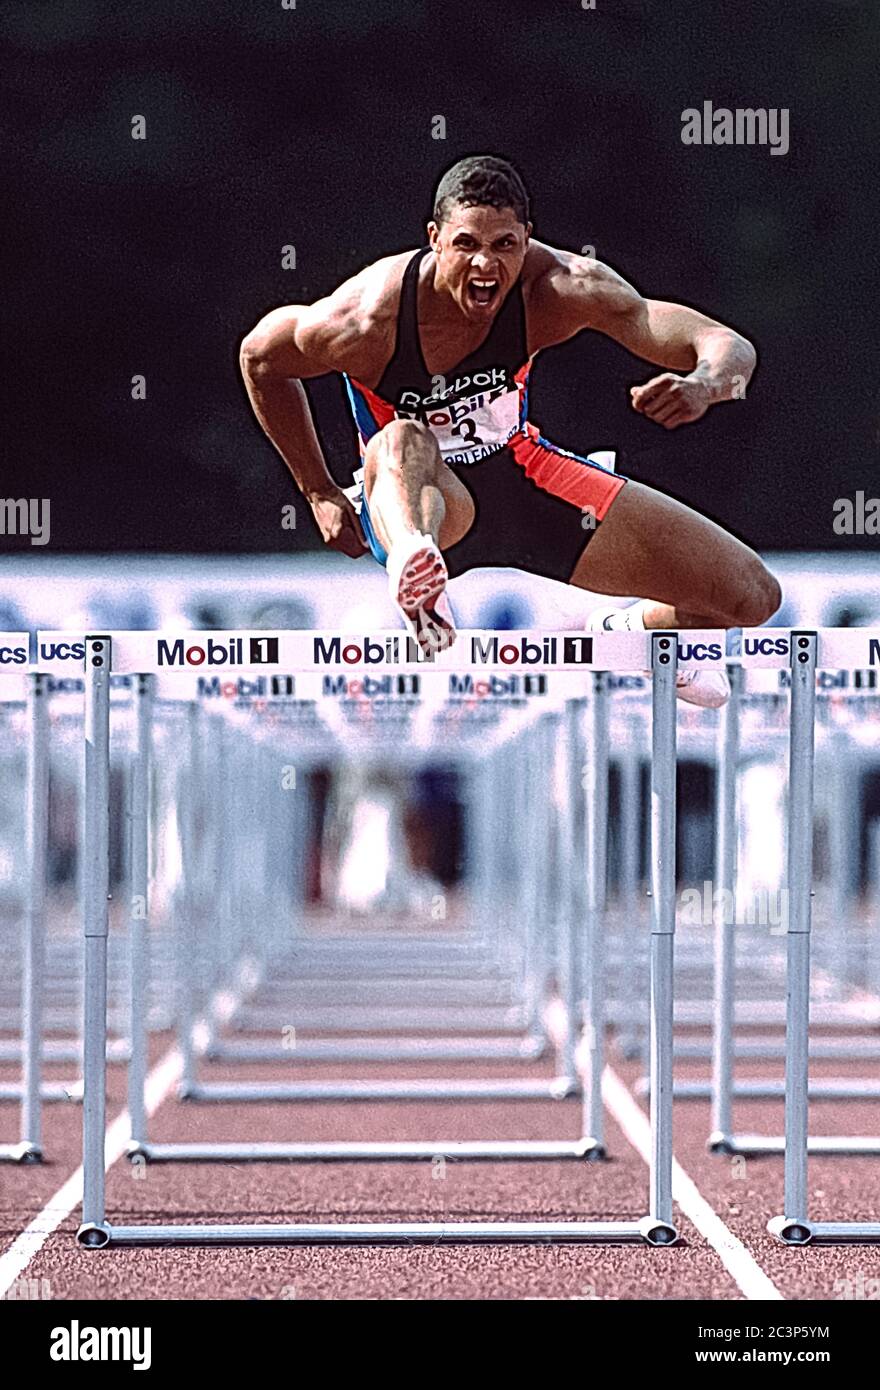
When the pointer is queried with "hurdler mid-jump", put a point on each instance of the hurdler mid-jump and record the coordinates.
(435, 347)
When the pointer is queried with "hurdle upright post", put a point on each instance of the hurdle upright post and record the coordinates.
(526, 828)
(570, 946)
(793, 1225)
(138, 918)
(664, 662)
(95, 886)
(723, 1013)
(630, 1033)
(36, 824)
(186, 904)
(592, 955)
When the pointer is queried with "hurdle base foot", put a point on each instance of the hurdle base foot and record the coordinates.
(25, 1152)
(789, 1231)
(93, 1235)
(656, 1232)
(721, 1144)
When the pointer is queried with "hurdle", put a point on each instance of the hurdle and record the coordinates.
(456, 974)
(576, 964)
(837, 1005)
(722, 1088)
(564, 1084)
(805, 652)
(136, 652)
(195, 1090)
(320, 968)
(45, 974)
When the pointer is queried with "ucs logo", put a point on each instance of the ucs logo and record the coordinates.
(12, 656)
(699, 651)
(62, 651)
(765, 646)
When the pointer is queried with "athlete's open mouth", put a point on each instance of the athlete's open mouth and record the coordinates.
(482, 291)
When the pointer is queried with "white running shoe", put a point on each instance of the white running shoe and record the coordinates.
(629, 619)
(417, 578)
(709, 689)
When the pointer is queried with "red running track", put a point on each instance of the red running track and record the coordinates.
(744, 1194)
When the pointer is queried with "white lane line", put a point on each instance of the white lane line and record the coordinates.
(739, 1263)
(160, 1082)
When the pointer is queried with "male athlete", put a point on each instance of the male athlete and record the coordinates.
(435, 347)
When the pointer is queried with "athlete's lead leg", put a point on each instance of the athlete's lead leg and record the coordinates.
(400, 472)
(416, 505)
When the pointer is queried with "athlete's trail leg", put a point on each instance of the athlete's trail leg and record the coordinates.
(696, 573)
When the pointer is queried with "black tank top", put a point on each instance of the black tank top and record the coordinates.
(477, 406)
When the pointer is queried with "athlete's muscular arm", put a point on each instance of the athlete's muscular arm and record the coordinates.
(287, 346)
(708, 362)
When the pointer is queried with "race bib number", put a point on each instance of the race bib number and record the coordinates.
(472, 427)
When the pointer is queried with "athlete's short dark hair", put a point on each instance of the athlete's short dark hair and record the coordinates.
(484, 181)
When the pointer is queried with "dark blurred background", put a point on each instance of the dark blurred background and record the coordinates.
(312, 127)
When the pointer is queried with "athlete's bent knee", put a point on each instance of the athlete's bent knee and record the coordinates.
(401, 443)
(759, 598)
(407, 436)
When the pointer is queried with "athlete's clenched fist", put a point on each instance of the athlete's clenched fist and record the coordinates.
(671, 400)
(338, 523)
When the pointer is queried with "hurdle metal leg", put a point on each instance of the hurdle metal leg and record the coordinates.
(95, 883)
(572, 906)
(725, 931)
(138, 920)
(592, 954)
(630, 1035)
(799, 888)
(30, 1147)
(663, 820)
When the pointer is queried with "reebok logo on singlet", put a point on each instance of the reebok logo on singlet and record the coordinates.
(475, 415)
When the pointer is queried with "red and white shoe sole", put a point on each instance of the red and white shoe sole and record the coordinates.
(421, 592)
(422, 581)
